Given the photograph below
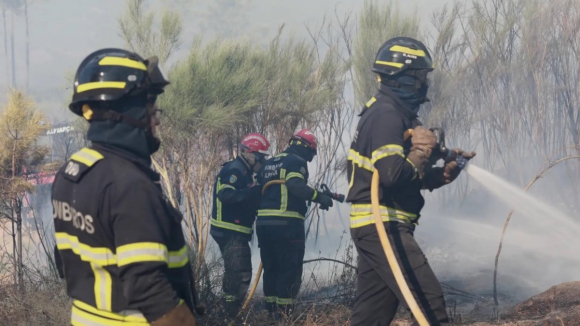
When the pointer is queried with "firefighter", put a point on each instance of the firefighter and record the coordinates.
(280, 223)
(235, 201)
(119, 242)
(401, 65)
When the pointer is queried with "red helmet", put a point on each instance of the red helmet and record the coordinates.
(307, 137)
(255, 143)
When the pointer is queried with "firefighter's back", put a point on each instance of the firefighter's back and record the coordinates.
(92, 194)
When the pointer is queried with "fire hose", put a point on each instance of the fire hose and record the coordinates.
(326, 191)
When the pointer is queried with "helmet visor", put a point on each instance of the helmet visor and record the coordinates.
(157, 79)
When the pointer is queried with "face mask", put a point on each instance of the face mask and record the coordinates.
(153, 143)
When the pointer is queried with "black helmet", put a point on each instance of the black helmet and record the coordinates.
(112, 74)
(401, 54)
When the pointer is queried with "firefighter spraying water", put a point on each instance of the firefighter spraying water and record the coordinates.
(390, 161)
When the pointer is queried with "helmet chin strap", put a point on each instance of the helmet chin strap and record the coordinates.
(246, 158)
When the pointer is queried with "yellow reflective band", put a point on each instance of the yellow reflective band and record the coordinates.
(103, 287)
(414, 168)
(83, 318)
(274, 212)
(362, 215)
(226, 187)
(361, 161)
(270, 299)
(387, 63)
(294, 175)
(124, 62)
(125, 315)
(231, 226)
(371, 101)
(351, 177)
(87, 156)
(101, 256)
(98, 85)
(218, 201)
(230, 298)
(141, 252)
(314, 196)
(283, 192)
(178, 258)
(406, 50)
(385, 151)
(283, 301)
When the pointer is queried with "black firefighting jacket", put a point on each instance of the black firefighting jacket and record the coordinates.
(235, 200)
(119, 241)
(282, 201)
(379, 143)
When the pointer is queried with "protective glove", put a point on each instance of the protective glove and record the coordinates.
(324, 200)
(459, 152)
(422, 144)
(440, 176)
(180, 315)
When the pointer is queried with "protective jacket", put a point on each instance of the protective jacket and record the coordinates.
(235, 200)
(379, 143)
(277, 201)
(119, 242)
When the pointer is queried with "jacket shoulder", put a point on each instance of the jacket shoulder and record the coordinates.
(80, 163)
(234, 166)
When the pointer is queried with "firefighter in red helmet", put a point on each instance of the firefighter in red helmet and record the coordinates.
(235, 201)
(280, 223)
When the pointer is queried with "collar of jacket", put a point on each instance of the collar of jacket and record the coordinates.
(141, 163)
(299, 151)
(400, 105)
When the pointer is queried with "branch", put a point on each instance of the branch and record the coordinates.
(332, 260)
(538, 176)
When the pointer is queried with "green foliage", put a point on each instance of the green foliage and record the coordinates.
(20, 127)
(139, 33)
(377, 23)
(217, 85)
(233, 87)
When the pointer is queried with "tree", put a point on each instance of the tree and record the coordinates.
(20, 127)
(137, 28)
(376, 24)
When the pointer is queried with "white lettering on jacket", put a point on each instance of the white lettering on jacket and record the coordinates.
(64, 211)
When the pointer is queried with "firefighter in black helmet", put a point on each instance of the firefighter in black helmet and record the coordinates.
(402, 65)
(119, 242)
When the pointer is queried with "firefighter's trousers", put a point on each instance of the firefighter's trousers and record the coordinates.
(238, 271)
(282, 251)
(378, 295)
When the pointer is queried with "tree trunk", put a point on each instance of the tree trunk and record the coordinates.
(6, 45)
(14, 218)
(12, 50)
(27, 44)
(19, 232)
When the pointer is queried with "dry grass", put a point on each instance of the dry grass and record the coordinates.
(47, 306)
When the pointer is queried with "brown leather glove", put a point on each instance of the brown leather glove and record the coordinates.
(180, 315)
(422, 144)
